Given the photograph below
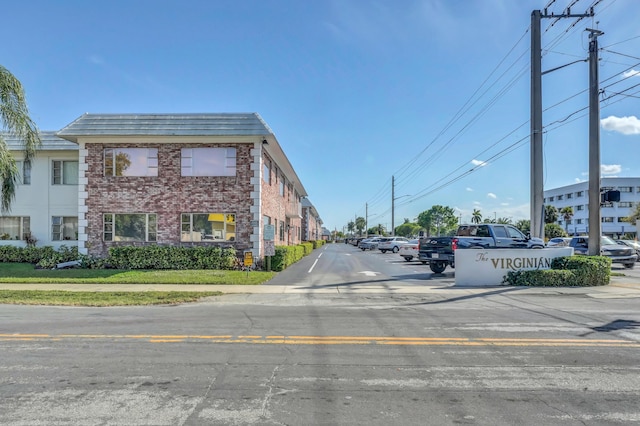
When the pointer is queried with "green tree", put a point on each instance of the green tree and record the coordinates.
(524, 225)
(505, 220)
(476, 216)
(567, 214)
(14, 118)
(360, 224)
(407, 229)
(351, 226)
(438, 219)
(635, 215)
(550, 214)
(553, 230)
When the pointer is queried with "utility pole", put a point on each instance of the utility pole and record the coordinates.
(366, 217)
(594, 146)
(537, 169)
(393, 200)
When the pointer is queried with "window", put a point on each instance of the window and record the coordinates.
(64, 228)
(208, 227)
(580, 207)
(625, 189)
(625, 204)
(623, 219)
(560, 197)
(130, 226)
(15, 227)
(208, 162)
(551, 198)
(266, 172)
(514, 233)
(569, 196)
(568, 221)
(607, 219)
(65, 172)
(580, 194)
(282, 186)
(578, 221)
(24, 167)
(131, 162)
(281, 231)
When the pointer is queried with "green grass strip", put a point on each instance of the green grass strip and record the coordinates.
(102, 299)
(26, 273)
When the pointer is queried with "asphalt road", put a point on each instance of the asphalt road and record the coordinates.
(499, 357)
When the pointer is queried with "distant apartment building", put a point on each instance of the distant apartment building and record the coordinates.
(613, 214)
(311, 222)
(170, 179)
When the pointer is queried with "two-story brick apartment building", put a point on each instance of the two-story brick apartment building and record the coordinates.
(311, 222)
(182, 179)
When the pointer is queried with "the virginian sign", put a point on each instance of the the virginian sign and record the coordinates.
(488, 267)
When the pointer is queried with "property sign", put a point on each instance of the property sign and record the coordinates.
(488, 267)
(248, 258)
(269, 233)
(269, 248)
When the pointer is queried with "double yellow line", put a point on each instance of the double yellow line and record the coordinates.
(329, 340)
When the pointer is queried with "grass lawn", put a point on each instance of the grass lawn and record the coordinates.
(92, 298)
(26, 273)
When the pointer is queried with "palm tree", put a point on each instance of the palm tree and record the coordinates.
(550, 214)
(351, 226)
(14, 118)
(504, 220)
(476, 216)
(567, 214)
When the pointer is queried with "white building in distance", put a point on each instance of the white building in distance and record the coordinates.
(613, 215)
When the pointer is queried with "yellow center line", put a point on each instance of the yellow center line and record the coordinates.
(332, 340)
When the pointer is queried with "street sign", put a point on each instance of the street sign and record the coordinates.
(248, 258)
(269, 232)
(269, 248)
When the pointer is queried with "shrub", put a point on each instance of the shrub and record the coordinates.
(567, 271)
(170, 257)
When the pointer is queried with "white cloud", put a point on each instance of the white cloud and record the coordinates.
(631, 73)
(477, 203)
(578, 180)
(469, 189)
(610, 169)
(625, 125)
(492, 195)
(478, 163)
(504, 204)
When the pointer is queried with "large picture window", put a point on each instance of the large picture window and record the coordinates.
(15, 227)
(65, 172)
(64, 228)
(131, 162)
(130, 226)
(208, 162)
(208, 227)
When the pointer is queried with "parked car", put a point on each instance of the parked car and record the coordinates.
(617, 252)
(392, 244)
(633, 244)
(491, 235)
(559, 242)
(409, 251)
(369, 243)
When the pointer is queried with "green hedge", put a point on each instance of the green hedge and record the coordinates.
(288, 255)
(36, 255)
(170, 257)
(127, 257)
(567, 271)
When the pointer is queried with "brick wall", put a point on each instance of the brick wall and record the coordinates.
(168, 195)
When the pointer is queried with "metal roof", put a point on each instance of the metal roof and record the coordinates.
(50, 142)
(209, 124)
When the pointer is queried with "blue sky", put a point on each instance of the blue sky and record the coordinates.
(433, 92)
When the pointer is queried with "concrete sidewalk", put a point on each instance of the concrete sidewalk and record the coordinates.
(619, 287)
